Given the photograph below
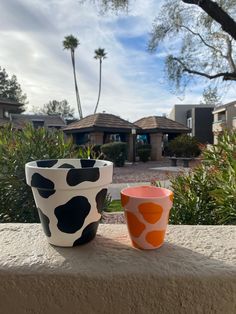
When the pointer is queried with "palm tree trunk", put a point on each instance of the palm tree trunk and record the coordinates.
(100, 85)
(76, 87)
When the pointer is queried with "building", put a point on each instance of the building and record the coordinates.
(7, 107)
(10, 112)
(197, 117)
(101, 128)
(48, 121)
(224, 118)
(158, 131)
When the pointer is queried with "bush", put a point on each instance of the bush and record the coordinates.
(144, 154)
(115, 152)
(143, 146)
(143, 151)
(207, 195)
(184, 146)
(16, 149)
(96, 151)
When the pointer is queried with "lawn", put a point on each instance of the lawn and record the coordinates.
(115, 206)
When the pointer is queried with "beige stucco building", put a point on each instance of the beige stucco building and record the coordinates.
(224, 118)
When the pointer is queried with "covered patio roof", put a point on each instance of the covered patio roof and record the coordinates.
(154, 124)
(100, 122)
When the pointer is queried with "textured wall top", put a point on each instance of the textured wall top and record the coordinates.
(188, 250)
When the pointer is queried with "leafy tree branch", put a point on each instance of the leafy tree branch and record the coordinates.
(226, 75)
(217, 13)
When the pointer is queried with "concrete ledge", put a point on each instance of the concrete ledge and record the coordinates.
(194, 272)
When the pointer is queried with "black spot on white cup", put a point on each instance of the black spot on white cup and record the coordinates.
(87, 163)
(66, 166)
(88, 234)
(45, 222)
(77, 176)
(71, 215)
(47, 163)
(40, 182)
(100, 199)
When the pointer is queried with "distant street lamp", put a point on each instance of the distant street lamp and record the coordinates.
(133, 131)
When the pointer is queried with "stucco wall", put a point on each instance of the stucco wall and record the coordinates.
(194, 272)
(156, 142)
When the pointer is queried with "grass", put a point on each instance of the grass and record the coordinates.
(114, 206)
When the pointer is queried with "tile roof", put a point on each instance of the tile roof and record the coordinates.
(163, 123)
(19, 120)
(4, 101)
(102, 120)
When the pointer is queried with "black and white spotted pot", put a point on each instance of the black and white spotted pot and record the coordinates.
(69, 195)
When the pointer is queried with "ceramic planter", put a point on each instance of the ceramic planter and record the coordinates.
(69, 195)
(147, 212)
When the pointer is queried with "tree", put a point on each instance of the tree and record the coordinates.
(100, 54)
(217, 13)
(57, 107)
(210, 96)
(10, 89)
(214, 10)
(204, 49)
(206, 31)
(71, 43)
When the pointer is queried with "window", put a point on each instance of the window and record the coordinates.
(222, 116)
(54, 127)
(115, 138)
(38, 123)
(189, 123)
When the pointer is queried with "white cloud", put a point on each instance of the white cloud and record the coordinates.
(31, 47)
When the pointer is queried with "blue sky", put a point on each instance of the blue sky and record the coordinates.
(133, 83)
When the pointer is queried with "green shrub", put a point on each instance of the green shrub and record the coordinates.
(96, 151)
(193, 204)
(113, 206)
(207, 195)
(107, 203)
(16, 149)
(144, 154)
(143, 146)
(115, 152)
(184, 146)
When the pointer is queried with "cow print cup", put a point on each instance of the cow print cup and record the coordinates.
(69, 195)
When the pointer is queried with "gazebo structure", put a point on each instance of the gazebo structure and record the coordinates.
(157, 131)
(101, 128)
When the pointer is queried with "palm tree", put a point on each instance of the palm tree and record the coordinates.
(100, 54)
(71, 43)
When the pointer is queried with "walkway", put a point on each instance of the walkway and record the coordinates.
(142, 173)
(115, 188)
(139, 174)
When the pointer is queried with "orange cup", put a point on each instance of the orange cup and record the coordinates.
(147, 212)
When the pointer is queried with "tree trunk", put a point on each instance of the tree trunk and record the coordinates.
(100, 85)
(76, 87)
(218, 14)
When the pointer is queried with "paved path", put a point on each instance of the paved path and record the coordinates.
(142, 174)
(115, 188)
